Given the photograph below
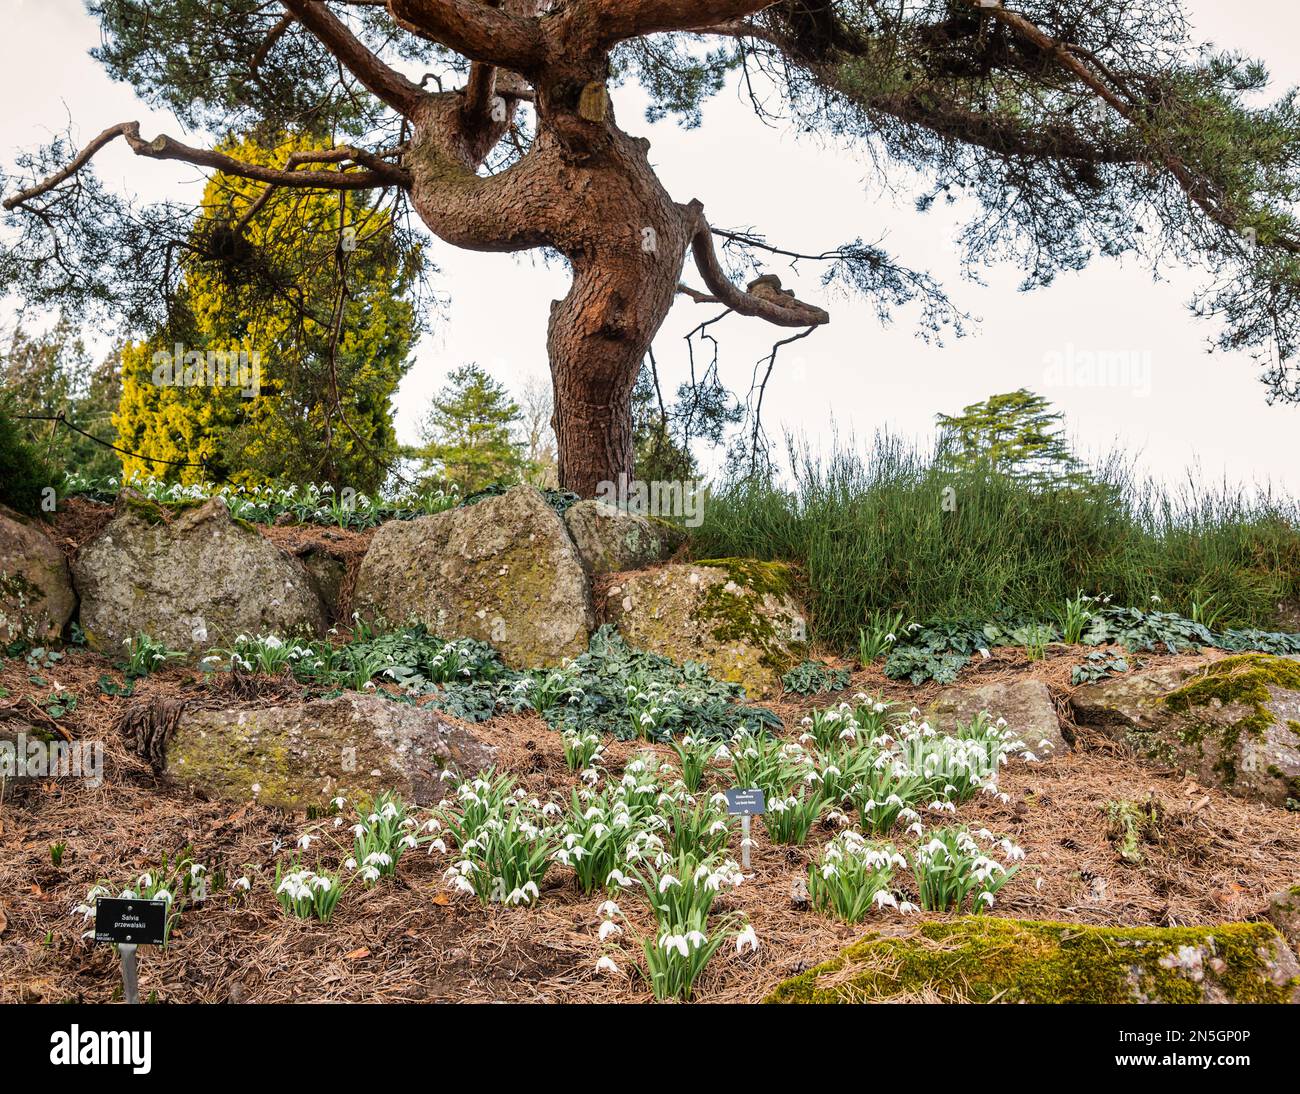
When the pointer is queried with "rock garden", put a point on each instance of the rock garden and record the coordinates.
(483, 753)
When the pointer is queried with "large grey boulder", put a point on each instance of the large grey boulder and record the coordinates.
(502, 570)
(610, 539)
(194, 580)
(737, 615)
(36, 597)
(1026, 705)
(1233, 722)
(302, 754)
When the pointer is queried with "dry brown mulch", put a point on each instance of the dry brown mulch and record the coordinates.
(1216, 858)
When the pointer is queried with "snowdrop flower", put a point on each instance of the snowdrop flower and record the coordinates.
(243, 884)
(606, 964)
(747, 939)
(666, 882)
(608, 908)
(305, 840)
(608, 928)
(676, 942)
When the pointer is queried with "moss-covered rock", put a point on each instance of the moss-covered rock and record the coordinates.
(300, 754)
(735, 615)
(983, 959)
(1228, 721)
(1284, 913)
(503, 570)
(610, 539)
(193, 578)
(36, 597)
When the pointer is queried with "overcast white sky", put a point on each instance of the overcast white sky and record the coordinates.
(1199, 411)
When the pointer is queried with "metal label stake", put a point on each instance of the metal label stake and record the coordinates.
(746, 803)
(130, 982)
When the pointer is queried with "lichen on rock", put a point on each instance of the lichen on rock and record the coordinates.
(193, 579)
(300, 754)
(503, 570)
(737, 616)
(36, 596)
(610, 539)
(1026, 705)
(1229, 721)
(983, 959)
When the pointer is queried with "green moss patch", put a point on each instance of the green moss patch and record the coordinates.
(1245, 680)
(983, 959)
(765, 578)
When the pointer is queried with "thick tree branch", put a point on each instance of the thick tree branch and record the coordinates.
(384, 82)
(378, 174)
(476, 30)
(784, 312)
(620, 19)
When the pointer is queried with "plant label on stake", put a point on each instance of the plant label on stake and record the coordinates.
(128, 924)
(746, 803)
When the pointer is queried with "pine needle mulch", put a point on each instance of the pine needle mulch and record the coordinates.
(1213, 858)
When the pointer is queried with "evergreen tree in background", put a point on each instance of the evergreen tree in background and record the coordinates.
(52, 373)
(1015, 434)
(314, 290)
(468, 433)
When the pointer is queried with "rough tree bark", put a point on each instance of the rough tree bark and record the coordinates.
(584, 187)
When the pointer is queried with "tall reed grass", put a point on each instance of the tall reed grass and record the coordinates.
(873, 532)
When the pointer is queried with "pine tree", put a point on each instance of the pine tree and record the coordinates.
(467, 433)
(1059, 132)
(1015, 434)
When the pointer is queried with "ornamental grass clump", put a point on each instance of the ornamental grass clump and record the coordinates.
(853, 876)
(952, 869)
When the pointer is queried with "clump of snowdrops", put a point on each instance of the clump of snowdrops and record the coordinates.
(853, 876)
(953, 868)
(307, 894)
(681, 890)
